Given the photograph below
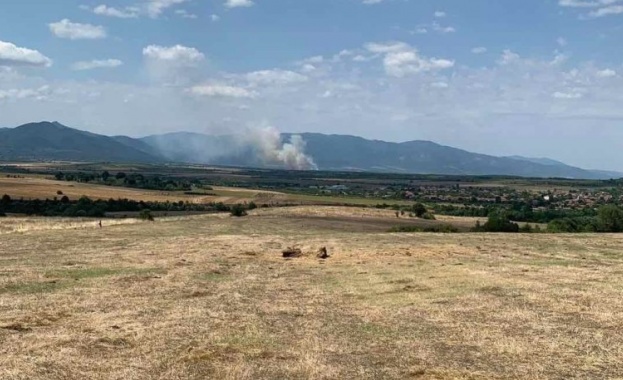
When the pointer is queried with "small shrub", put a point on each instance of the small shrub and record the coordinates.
(428, 216)
(58, 192)
(146, 215)
(252, 206)
(238, 211)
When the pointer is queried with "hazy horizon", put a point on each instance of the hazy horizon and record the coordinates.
(532, 78)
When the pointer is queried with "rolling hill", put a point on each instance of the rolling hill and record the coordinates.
(54, 141)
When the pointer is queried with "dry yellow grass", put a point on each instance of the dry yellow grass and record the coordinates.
(39, 187)
(210, 297)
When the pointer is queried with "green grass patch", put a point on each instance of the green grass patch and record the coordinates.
(34, 287)
(86, 273)
(443, 228)
(215, 276)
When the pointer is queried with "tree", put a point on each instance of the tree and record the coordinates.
(105, 175)
(6, 199)
(499, 222)
(238, 211)
(419, 210)
(610, 218)
(120, 175)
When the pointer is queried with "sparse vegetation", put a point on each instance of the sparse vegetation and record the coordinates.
(229, 306)
(444, 228)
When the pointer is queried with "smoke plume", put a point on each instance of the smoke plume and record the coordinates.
(273, 151)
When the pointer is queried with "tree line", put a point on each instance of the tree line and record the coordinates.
(86, 207)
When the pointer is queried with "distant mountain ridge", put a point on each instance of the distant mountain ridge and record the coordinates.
(54, 141)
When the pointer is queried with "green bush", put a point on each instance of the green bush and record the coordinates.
(428, 216)
(146, 215)
(498, 222)
(238, 211)
(419, 210)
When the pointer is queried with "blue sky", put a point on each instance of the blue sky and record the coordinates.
(536, 78)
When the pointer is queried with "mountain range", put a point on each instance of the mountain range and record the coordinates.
(54, 141)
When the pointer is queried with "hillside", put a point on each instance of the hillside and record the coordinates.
(54, 141)
(333, 152)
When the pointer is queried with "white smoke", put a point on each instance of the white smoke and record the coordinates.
(273, 151)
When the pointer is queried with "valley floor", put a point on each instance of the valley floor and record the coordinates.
(211, 297)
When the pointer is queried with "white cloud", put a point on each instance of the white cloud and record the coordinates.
(185, 14)
(435, 27)
(606, 11)
(274, 77)
(388, 47)
(606, 73)
(479, 50)
(217, 90)
(439, 85)
(40, 93)
(440, 14)
(155, 8)
(238, 3)
(178, 54)
(174, 65)
(12, 55)
(567, 95)
(128, 12)
(400, 59)
(96, 64)
(561, 41)
(214, 17)
(409, 62)
(601, 8)
(508, 57)
(586, 4)
(443, 29)
(370, 2)
(76, 31)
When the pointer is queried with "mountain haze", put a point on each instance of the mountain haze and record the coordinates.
(54, 141)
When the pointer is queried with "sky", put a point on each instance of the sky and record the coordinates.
(538, 78)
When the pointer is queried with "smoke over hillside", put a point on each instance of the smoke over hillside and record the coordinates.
(256, 146)
(273, 151)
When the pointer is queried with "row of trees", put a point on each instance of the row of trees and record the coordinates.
(86, 207)
(520, 212)
(130, 180)
(608, 219)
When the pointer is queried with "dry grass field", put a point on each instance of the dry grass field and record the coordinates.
(210, 297)
(39, 187)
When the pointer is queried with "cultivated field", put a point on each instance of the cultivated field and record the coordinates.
(210, 297)
(39, 187)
